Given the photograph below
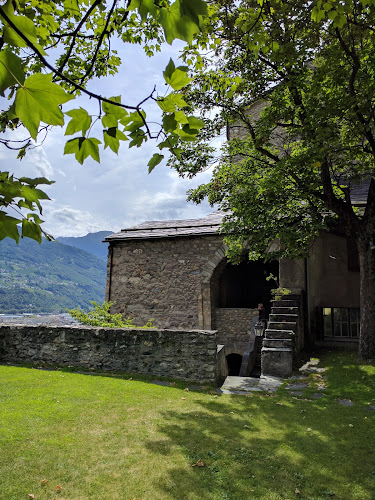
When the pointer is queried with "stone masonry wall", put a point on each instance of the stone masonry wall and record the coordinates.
(190, 355)
(233, 326)
(161, 278)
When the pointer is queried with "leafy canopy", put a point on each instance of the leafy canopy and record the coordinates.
(50, 51)
(294, 83)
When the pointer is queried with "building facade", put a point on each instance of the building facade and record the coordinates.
(176, 272)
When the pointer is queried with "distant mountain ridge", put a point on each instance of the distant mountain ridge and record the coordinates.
(92, 242)
(49, 277)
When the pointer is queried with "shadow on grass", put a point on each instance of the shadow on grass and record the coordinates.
(276, 446)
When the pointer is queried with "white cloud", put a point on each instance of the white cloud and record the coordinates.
(38, 158)
(118, 192)
(67, 221)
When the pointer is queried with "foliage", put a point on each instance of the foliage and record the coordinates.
(280, 293)
(101, 316)
(50, 51)
(294, 82)
(265, 446)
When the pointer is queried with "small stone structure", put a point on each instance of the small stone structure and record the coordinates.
(187, 355)
(234, 327)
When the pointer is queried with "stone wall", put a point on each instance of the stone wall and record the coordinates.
(233, 326)
(188, 355)
(164, 279)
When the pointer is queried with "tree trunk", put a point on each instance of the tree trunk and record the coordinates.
(366, 254)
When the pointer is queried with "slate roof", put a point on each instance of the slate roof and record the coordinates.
(171, 228)
(208, 225)
(359, 192)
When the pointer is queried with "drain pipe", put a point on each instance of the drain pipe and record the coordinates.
(109, 276)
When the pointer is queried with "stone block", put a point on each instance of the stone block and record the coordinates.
(277, 362)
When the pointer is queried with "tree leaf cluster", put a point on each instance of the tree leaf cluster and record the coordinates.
(36, 83)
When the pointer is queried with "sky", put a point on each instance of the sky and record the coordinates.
(118, 192)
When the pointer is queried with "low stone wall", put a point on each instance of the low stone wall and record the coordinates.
(188, 355)
(233, 326)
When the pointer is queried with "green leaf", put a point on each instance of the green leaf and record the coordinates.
(171, 102)
(11, 70)
(133, 121)
(8, 227)
(24, 24)
(169, 16)
(71, 6)
(112, 138)
(195, 123)
(113, 113)
(155, 160)
(169, 70)
(37, 180)
(82, 148)
(170, 142)
(114, 110)
(80, 121)
(177, 78)
(169, 123)
(38, 100)
(138, 138)
(181, 118)
(31, 230)
(33, 195)
(146, 7)
(193, 9)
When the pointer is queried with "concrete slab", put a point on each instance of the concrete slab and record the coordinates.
(244, 385)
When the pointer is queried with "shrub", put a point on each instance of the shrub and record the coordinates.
(100, 316)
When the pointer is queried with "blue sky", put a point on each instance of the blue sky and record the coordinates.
(118, 192)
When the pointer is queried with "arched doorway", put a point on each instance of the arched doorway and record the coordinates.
(234, 362)
(244, 285)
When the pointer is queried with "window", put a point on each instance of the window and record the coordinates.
(341, 322)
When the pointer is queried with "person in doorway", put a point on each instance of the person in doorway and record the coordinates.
(262, 312)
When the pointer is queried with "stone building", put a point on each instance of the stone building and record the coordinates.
(176, 272)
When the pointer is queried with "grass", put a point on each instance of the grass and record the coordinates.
(108, 438)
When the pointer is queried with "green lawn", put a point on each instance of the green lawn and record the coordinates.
(109, 438)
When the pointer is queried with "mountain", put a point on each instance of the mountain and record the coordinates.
(49, 277)
(92, 242)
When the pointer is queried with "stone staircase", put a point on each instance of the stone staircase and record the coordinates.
(279, 340)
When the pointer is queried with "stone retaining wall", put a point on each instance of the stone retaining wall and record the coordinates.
(188, 355)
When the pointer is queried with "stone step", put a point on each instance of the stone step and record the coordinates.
(285, 303)
(279, 334)
(292, 296)
(284, 310)
(282, 325)
(278, 343)
(282, 318)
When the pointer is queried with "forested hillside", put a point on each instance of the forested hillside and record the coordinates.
(49, 277)
(92, 242)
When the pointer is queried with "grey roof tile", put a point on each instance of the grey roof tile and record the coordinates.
(171, 228)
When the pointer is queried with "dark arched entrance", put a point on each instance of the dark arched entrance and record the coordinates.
(234, 364)
(244, 285)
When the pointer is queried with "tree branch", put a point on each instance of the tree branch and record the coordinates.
(351, 54)
(76, 85)
(100, 41)
(75, 33)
